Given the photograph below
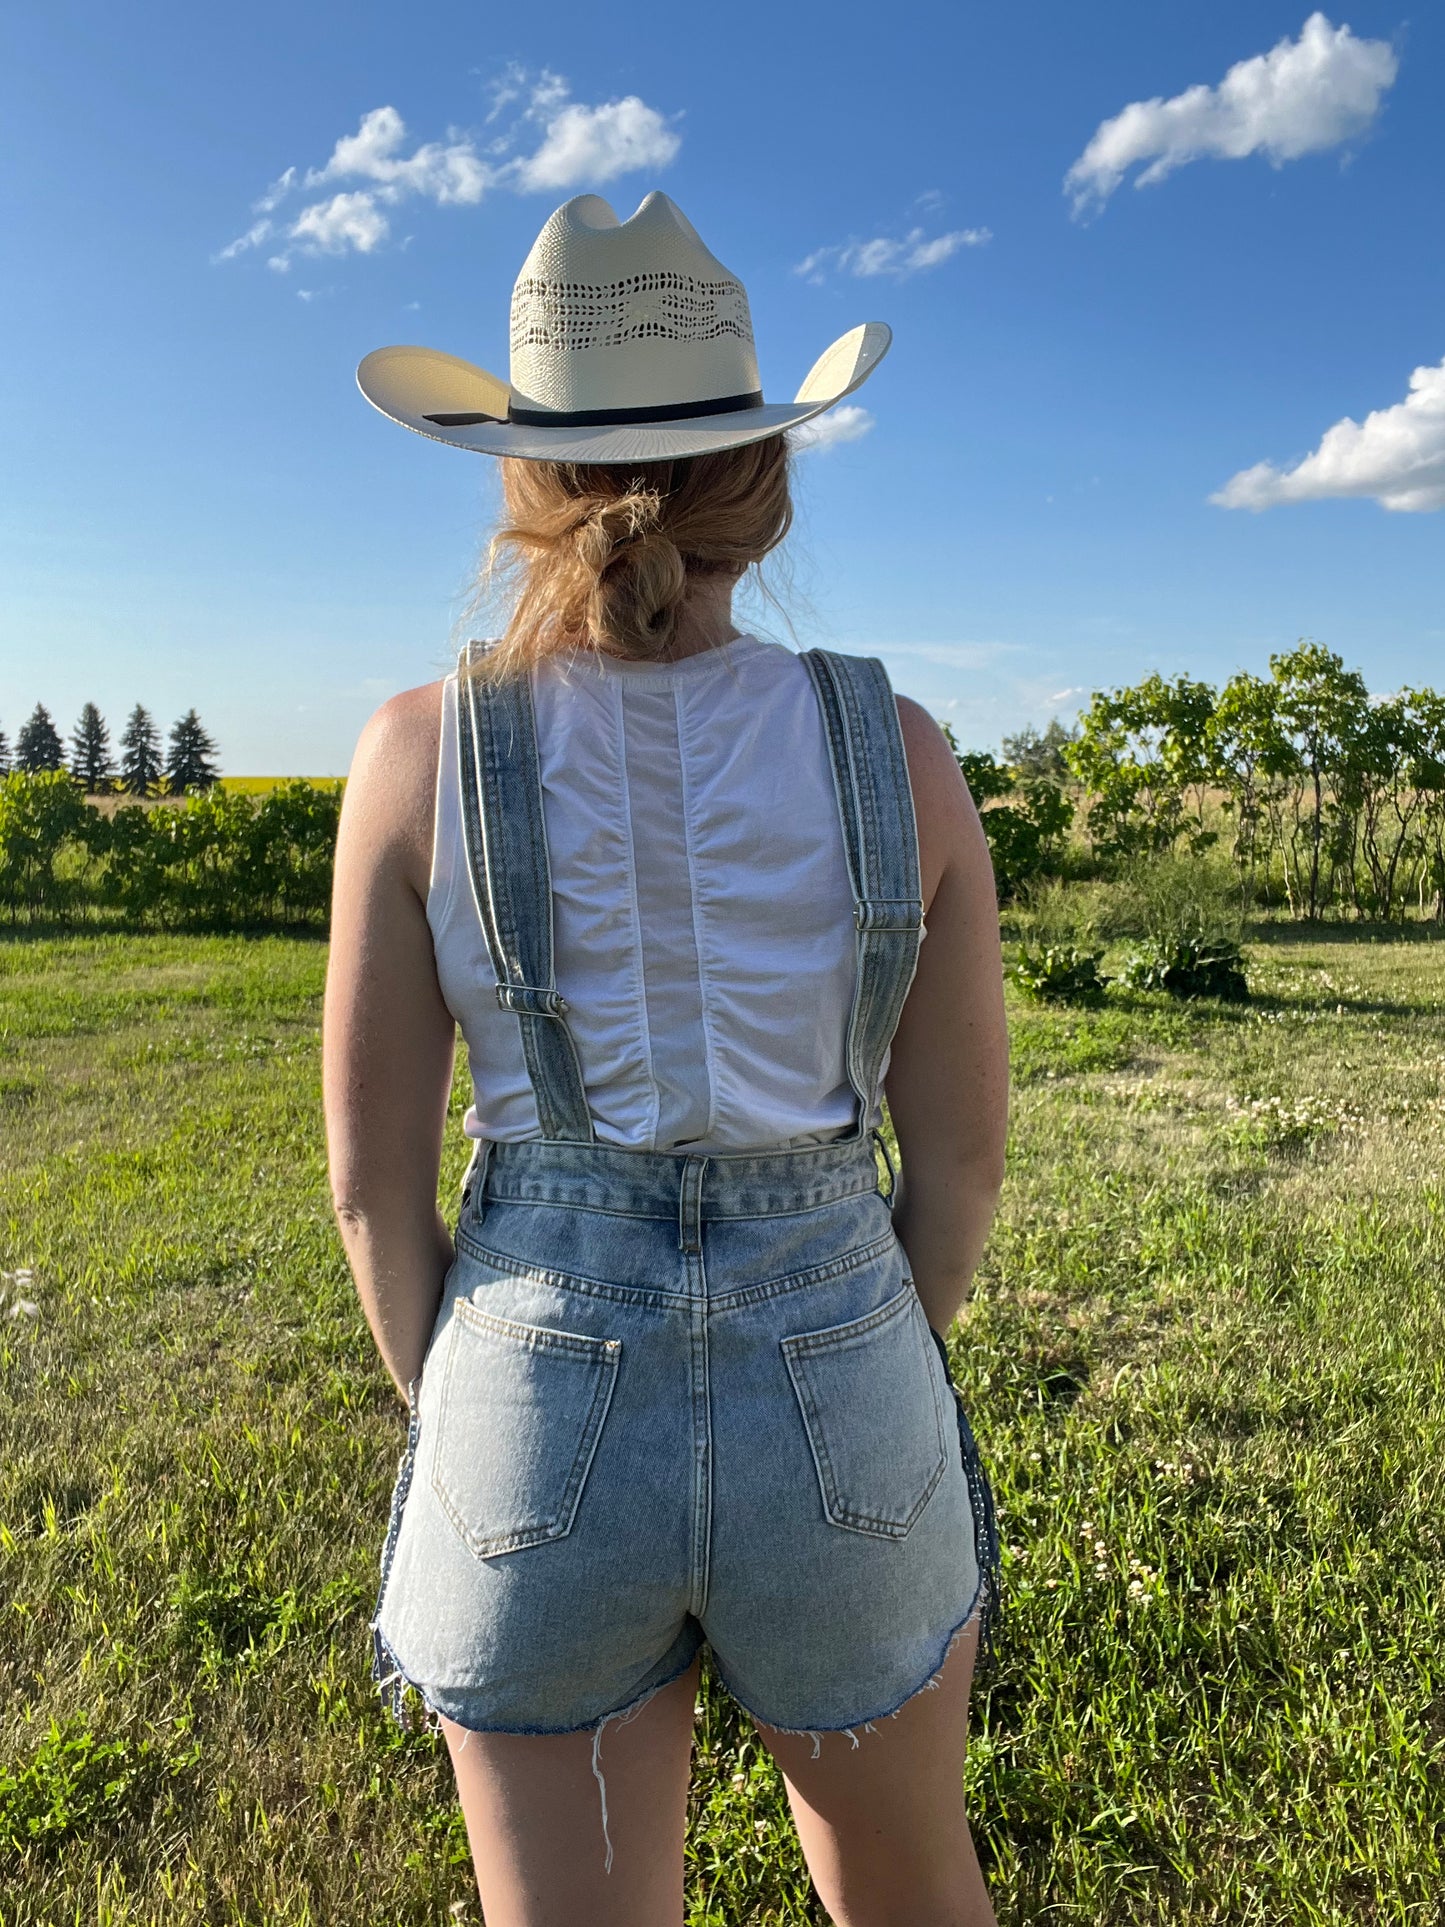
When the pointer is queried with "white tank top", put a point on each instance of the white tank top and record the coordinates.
(702, 910)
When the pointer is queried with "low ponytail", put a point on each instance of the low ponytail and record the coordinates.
(603, 556)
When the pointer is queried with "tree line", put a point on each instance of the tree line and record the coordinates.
(1321, 796)
(1324, 795)
(188, 764)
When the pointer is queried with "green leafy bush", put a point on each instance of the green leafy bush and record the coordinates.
(1187, 967)
(1188, 914)
(216, 860)
(1059, 971)
(1025, 834)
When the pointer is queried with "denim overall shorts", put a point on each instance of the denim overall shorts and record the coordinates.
(674, 1398)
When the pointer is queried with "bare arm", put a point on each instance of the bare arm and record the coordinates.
(947, 1082)
(388, 1038)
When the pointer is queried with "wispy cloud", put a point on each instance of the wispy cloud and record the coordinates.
(845, 423)
(1396, 457)
(551, 144)
(1301, 97)
(595, 144)
(912, 254)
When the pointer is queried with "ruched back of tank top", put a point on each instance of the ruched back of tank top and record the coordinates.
(702, 908)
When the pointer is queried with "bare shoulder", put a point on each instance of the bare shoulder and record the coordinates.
(932, 766)
(949, 832)
(391, 791)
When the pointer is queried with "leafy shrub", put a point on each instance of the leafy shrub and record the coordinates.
(1187, 967)
(40, 811)
(1026, 834)
(221, 859)
(1059, 971)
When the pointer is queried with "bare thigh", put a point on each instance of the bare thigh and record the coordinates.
(534, 1817)
(882, 1824)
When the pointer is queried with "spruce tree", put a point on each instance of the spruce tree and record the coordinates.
(140, 762)
(4, 754)
(191, 764)
(91, 763)
(39, 746)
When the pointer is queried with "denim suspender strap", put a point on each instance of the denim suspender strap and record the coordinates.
(880, 834)
(506, 838)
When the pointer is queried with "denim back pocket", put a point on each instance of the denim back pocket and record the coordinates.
(869, 1399)
(520, 1414)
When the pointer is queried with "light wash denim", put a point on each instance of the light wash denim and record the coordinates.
(674, 1398)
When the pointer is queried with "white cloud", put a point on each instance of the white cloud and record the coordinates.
(1395, 456)
(579, 145)
(845, 423)
(585, 144)
(276, 193)
(884, 255)
(449, 174)
(252, 238)
(1301, 97)
(345, 221)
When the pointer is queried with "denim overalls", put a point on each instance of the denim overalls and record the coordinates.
(671, 1398)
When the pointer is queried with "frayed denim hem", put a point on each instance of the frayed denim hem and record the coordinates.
(865, 1722)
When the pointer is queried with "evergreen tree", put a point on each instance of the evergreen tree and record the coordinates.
(1040, 758)
(4, 754)
(91, 763)
(191, 764)
(140, 763)
(39, 747)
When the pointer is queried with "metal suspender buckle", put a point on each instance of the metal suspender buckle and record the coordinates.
(903, 914)
(526, 1000)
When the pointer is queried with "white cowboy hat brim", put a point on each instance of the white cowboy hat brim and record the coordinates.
(426, 390)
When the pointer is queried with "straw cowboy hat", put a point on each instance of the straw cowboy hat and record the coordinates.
(630, 343)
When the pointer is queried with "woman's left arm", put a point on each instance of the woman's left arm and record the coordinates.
(388, 1039)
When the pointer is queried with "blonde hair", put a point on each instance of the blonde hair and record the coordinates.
(603, 556)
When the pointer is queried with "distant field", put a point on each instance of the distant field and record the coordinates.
(1204, 1361)
(260, 785)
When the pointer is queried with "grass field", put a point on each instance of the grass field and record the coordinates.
(1205, 1361)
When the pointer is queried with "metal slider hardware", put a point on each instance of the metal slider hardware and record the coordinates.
(526, 1000)
(888, 913)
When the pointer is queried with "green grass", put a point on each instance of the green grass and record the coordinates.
(1205, 1361)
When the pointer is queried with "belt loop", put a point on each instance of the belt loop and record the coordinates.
(892, 1192)
(689, 1206)
(474, 1184)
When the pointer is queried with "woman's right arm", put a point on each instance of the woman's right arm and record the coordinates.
(947, 1082)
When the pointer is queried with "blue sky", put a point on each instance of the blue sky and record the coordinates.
(199, 508)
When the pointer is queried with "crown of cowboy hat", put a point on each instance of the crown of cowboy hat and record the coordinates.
(630, 342)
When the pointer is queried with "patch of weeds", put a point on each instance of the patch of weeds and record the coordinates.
(1189, 966)
(75, 1783)
(1059, 972)
(1189, 913)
